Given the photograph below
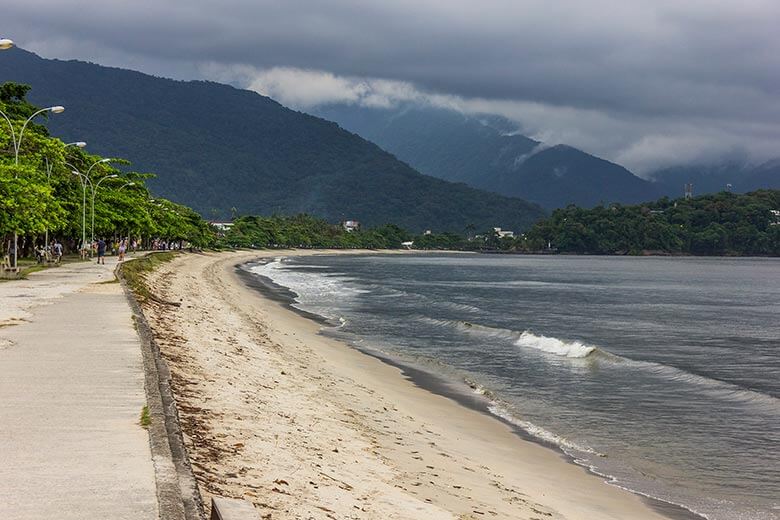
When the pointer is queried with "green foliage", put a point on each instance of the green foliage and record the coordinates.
(28, 203)
(718, 224)
(134, 272)
(304, 231)
(146, 419)
(486, 152)
(42, 194)
(217, 147)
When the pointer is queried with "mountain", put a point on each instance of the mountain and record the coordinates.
(215, 147)
(736, 175)
(487, 152)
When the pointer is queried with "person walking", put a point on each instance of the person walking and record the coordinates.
(101, 251)
(122, 248)
(57, 249)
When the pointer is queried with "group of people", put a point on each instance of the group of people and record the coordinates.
(51, 252)
(54, 250)
(100, 247)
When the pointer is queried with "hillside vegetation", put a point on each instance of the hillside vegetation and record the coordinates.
(718, 224)
(226, 151)
(41, 194)
(488, 153)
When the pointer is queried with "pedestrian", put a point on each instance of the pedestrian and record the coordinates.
(57, 251)
(101, 251)
(122, 248)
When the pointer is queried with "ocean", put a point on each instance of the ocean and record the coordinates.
(660, 374)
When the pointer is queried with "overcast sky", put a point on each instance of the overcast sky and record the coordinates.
(642, 82)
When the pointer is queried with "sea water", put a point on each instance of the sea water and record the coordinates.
(660, 374)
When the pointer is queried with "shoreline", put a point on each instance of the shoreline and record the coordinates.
(437, 384)
(401, 450)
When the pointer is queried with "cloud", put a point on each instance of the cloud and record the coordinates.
(627, 79)
(642, 144)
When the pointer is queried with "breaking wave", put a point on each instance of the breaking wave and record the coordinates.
(570, 349)
(577, 350)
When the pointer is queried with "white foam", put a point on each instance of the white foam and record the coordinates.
(569, 349)
(539, 432)
(316, 291)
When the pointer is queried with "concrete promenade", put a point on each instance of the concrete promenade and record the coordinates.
(71, 393)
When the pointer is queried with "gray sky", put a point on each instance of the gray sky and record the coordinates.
(645, 83)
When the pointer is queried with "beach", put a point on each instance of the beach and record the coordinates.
(305, 426)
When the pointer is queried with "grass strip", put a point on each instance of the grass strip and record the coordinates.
(135, 271)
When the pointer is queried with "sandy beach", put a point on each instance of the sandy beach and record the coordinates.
(307, 427)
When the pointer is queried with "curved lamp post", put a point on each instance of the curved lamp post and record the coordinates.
(85, 180)
(5, 44)
(57, 109)
(49, 168)
(94, 192)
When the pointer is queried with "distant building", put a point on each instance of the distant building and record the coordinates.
(775, 217)
(503, 234)
(221, 226)
(407, 245)
(428, 232)
(350, 225)
(688, 191)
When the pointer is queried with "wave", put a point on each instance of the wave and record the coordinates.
(577, 350)
(538, 432)
(569, 349)
(502, 410)
(527, 339)
(319, 297)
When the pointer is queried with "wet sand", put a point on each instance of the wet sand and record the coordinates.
(307, 427)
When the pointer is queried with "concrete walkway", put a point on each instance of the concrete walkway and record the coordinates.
(71, 393)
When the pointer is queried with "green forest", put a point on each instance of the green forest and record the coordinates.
(305, 231)
(216, 148)
(719, 224)
(57, 189)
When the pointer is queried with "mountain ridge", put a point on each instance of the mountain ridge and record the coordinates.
(484, 152)
(216, 147)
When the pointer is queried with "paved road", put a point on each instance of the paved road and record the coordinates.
(71, 392)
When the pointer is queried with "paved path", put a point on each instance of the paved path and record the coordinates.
(71, 392)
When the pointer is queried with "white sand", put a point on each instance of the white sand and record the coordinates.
(307, 427)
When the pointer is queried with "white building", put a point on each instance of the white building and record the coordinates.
(221, 226)
(351, 225)
(501, 233)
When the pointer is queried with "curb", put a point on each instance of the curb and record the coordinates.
(177, 490)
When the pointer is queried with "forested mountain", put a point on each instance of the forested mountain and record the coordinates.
(215, 147)
(486, 152)
(716, 224)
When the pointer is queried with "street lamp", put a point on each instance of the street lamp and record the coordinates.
(18, 142)
(84, 178)
(49, 167)
(17, 145)
(7, 44)
(94, 192)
